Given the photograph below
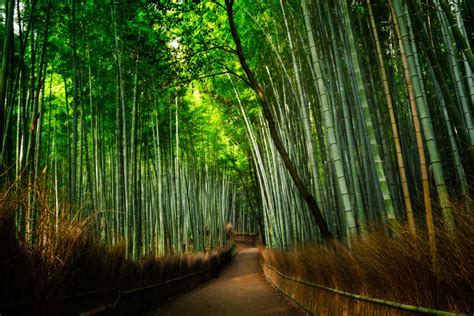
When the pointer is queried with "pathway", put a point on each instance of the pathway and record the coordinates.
(240, 289)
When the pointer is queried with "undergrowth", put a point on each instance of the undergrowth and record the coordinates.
(64, 259)
(397, 268)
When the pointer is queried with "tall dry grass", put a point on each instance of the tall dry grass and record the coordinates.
(65, 260)
(397, 268)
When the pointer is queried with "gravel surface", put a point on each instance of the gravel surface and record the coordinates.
(240, 289)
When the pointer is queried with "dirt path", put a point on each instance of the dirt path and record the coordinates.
(240, 289)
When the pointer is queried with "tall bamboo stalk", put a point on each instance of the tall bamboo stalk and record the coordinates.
(393, 123)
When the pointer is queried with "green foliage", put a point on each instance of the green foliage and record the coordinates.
(156, 110)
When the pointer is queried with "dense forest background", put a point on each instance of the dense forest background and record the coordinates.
(135, 133)
(155, 123)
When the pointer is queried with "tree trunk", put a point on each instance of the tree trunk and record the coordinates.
(306, 195)
(75, 106)
(7, 46)
(393, 122)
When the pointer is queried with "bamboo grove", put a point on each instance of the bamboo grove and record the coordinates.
(160, 122)
(373, 102)
(92, 119)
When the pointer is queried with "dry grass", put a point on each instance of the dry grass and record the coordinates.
(398, 269)
(67, 261)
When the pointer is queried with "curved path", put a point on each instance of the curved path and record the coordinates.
(240, 289)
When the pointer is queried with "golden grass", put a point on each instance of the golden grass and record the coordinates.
(398, 269)
(66, 260)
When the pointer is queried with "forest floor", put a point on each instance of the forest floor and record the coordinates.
(240, 289)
